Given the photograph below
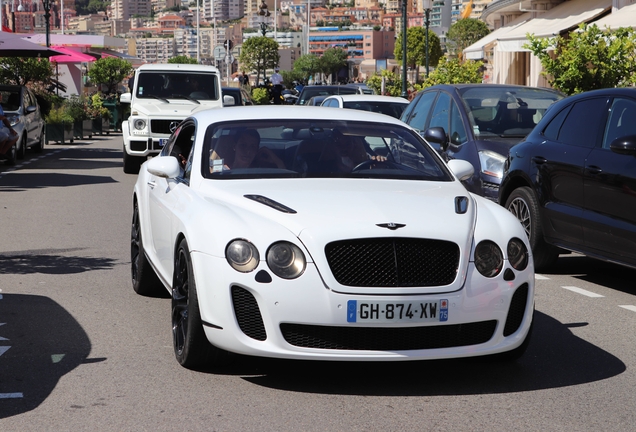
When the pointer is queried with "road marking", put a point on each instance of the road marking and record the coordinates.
(15, 167)
(582, 291)
(628, 307)
(11, 395)
(541, 277)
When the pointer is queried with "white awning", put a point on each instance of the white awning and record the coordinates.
(476, 50)
(567, 15)
(623, 17)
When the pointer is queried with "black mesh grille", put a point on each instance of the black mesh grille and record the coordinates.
(248, 314)
(162, 126)
(393, 262)
(517, 309)
(138, 145)
(388, 339)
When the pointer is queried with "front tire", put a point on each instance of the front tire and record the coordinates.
(40, 145)
(191, 347)
(22, 150)
(11, 155)
(144, 279)
(524, 205)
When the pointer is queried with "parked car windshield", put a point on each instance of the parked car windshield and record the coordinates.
(10, 99)
(506, 111)
(177, 85)
(318, 148)
(389, 108)
(311, 91)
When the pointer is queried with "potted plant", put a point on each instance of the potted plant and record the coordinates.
(59, 125)
(99, 114)
(82, 124)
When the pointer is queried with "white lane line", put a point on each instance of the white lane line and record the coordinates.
(11, 395)
(541, 277)
(628, 307)
(582, 291)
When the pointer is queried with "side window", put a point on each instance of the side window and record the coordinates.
(581, 127)
(551, 131)
(457, 130)
(622, 121)
(421, 111)
(441, 112)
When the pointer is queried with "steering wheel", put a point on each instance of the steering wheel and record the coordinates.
(372, 164)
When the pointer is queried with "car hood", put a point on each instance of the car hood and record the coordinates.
(175, 108)
(317, 212)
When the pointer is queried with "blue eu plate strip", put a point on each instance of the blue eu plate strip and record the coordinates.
(352, 308)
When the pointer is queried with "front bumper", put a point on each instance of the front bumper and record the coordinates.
(304, 319)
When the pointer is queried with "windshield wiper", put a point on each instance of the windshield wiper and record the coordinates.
(159, 97)
(180, 96)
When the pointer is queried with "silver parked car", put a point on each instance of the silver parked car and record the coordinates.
(21, 108)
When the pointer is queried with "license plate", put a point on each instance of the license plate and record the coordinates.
(163, 142)
(395, 312)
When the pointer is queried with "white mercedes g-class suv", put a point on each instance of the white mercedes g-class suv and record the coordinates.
(161, 97)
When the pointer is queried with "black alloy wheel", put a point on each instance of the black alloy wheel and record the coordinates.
(40, 145)
(23, 146)
(144, 279)
(523, 204)
(191, 346)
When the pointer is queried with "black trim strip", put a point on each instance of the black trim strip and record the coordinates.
(207, 324)
(271, 203)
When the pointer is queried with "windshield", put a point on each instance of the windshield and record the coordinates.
(10, 100)
(392, 109)
(506, 111)
(177, 85)
(318, 148)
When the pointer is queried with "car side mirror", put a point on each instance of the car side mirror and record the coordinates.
(228, 101)
(125, 98)
(437, 135)
(30, 109)
(624, 145)
(164, 166)
(462, 169)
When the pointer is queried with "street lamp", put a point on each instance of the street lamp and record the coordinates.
(47, 17)
(404, 26)
(427, 5)
(263, 13)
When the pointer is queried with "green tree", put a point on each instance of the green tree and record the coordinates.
(392, 83)
(587, 59)
(109, 71)
(182, 59)
(23, 71)
(259, 54)
(307, 65)
(454, 71)
(416, 48)
(332, 60)
(463, 34)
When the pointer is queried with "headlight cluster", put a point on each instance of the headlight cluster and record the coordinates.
(284, 259)
(139, 124)
(489, 258)
(492, 163)
(13, 119)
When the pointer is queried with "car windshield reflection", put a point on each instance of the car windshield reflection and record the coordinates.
(318, 149)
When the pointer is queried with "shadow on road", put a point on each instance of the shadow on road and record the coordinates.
(50, 261)
(45, 344)
(555, 358)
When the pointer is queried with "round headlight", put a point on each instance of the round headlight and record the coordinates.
(286, 260)
(488, 258)
(140, 124)
(242, 255)
(517, 254)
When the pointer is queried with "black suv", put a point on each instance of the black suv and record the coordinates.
(572, 181)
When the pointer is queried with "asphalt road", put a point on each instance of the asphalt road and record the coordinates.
(79, 350)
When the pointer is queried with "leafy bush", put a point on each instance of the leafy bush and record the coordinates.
(96, 109)
(77, 108)
(260, 96)
(59, 115)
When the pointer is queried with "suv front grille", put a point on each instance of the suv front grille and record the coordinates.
(162, 126)
(393, 262)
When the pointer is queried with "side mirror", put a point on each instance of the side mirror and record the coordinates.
(462, 169)
(624, 145)
(228, 101)
(30, 109)
(125, 98)
(437, 135)
(164, 166)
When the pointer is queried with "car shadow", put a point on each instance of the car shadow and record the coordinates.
(50, 261)
(603, 273)
(40, 342)
(555, 358)
(21, 181)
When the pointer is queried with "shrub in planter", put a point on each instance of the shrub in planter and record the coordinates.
(77, 108)
(59, 125)
(99, 114)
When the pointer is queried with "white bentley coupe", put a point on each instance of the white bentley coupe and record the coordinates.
(326, 234)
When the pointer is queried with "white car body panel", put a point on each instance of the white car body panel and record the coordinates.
(211, 213)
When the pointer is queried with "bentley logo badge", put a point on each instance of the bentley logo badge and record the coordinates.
(173, 126)
(392, 226)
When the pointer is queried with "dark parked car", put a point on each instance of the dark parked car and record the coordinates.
(240, 95)
(310, 91)
(22, 109)
(478, 123)
(572, 182)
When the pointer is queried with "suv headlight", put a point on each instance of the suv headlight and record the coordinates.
(286, 260)
(139, 124)
(491, 163)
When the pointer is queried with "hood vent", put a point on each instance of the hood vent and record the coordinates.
(270, 203)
